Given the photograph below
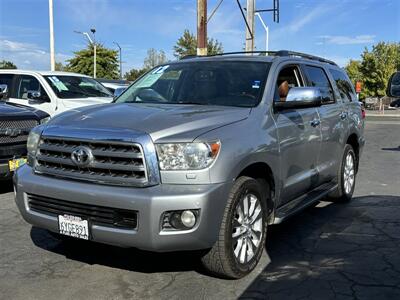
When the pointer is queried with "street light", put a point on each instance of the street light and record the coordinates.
(93, 43)
(266, 32)
(120, 60)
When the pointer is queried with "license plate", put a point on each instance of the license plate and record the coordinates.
(73, 226)
(14, 164)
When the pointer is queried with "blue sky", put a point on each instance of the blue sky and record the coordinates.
(336, 29)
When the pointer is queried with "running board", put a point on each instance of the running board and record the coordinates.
(303, 202)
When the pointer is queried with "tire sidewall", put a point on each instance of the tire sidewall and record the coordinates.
(348, 150)
(249, 186)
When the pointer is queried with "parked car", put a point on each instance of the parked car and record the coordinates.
(52, 92)
(202, 153)
(394, 90)
(16, 121)
(115, 86)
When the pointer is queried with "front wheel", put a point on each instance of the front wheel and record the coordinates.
(243, 230)
(346, 177)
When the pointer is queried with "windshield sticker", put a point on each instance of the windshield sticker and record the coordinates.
(160, 70)
(58, 84)
(256, 84)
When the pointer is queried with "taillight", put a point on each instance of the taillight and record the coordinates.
(363, 112)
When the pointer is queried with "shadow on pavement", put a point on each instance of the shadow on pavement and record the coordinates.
(6, 186)
(116, 257)
(344, 251)
(330, 250)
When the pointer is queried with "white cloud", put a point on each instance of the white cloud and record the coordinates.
(347, 40)
(27, 55)
(302, 20)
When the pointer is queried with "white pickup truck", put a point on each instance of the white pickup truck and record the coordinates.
(52, 92)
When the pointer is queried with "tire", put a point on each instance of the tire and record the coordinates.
(344, 192)
(221, 259)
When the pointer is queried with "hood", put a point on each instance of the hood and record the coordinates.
(163, 122)
(17, 111)
(79, 102)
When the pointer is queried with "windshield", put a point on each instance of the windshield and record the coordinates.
(69, 87)
(229, 83)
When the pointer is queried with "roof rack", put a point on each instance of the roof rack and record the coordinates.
(280, 53)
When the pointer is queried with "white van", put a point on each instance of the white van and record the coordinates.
(52, 92)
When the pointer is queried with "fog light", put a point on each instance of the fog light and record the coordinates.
(188, 218)
(179, 219)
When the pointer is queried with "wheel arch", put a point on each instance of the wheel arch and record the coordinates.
(352, 140)
(261, 170)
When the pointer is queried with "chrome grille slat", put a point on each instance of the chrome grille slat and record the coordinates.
(113, 163)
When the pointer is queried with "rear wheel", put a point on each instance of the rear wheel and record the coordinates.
(243, 231)
(346, 177)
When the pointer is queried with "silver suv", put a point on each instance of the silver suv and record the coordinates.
(202, 153)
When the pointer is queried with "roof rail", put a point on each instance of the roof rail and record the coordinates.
(281, 53)
(304, 55)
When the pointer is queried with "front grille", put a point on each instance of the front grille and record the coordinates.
(100, 215)
(113, 163)
(9, 129)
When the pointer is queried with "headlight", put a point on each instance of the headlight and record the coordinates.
(187, 156)
(33, 141)
(44, 120)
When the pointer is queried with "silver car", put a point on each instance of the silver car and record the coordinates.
(202, 153)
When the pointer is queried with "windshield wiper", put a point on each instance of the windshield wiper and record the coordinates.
(191, 103)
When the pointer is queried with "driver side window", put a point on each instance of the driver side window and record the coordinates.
(29, 83)
(288, 77)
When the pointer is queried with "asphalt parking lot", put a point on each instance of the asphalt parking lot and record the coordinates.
(330, 251)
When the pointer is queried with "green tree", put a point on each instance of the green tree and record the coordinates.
(106, 62)
(375, 68)
(60, 67)
(187, 45)
(5, 64)
(154, 58)
(134, 74)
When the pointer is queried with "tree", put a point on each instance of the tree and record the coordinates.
(187, 45)
(134, 74)
(375, 68)
(106, 65)
(154, 58)
(5, 64)
(60, 67)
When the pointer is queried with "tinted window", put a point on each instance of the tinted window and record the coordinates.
(7, 79)
(342, 82)
(70, 87)
(317, 77)
(229, 83)
(29, 83)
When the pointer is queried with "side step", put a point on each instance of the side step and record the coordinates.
(302, 202)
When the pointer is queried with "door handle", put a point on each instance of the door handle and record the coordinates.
(315, 122)
(343, 115)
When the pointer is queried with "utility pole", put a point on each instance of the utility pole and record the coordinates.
(51, 24)
(250, 10)
(120, 60)
(201, 27)
(95, 50)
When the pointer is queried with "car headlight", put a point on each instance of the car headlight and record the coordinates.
(44, 120)
(187, 156)
(33, 142)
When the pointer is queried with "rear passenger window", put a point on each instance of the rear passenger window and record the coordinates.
(346, 89)
(317, 77)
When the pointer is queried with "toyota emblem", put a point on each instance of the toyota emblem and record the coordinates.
(82, 156)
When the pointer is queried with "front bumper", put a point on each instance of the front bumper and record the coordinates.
(150, 202)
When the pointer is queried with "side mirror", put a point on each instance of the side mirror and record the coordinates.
(3, 90)
(300, 97)
(119, 91)
(34, 96)
(393, 88)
